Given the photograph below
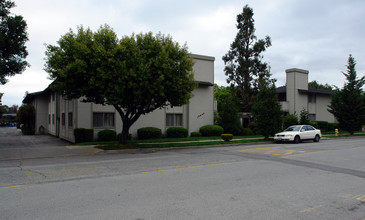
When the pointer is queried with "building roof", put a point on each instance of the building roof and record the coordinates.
(311, 90)
(30, 96)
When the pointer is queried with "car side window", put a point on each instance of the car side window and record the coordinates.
(309, 128)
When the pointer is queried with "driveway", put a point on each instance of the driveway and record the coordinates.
(15, 146)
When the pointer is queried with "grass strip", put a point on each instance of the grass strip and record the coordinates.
(172, 145)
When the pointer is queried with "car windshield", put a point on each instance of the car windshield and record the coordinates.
(293, 128)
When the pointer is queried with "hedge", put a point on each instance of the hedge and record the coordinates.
(107, 135)
(177, 132)
(83, 135)
(211, 130)
(333, 126)
(149, 133)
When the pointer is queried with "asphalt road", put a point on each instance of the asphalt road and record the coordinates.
(324, 180)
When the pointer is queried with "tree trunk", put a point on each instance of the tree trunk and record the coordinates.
(125, 131)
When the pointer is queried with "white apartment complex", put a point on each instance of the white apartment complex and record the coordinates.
(59, 117)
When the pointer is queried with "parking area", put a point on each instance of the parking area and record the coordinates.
(15, 146)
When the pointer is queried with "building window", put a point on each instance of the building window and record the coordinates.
(312, 98)
(103, 120)
(70, 120)
(312, 117)
(174, 120)
(49, 118)
(63, 119)
(53, 96)
(53, 119)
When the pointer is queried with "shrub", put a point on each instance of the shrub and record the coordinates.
(227, 137)
(304, 117)
(247, 132)
(83, 135)
(120, 135)
(26, 117)
(195, 134)
(107, 135)
(177, 132)
(211, 130)
(149, 133)
(290, 120)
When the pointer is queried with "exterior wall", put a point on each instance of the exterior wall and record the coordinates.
(296, 79)
(200, 108)
(40, 104)
(203, 68)
(322, 104)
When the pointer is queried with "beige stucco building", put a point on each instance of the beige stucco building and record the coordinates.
(296, 96)
(58, 116)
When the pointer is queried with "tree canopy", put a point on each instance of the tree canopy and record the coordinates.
(243, 62)
(13, 35)
(348, 103)
(135, 74)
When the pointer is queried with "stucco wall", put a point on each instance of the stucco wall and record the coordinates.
(322, 114)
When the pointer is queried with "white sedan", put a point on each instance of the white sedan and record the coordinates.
(297, 133)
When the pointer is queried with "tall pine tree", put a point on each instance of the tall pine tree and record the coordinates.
(243, 60)
(348, 104)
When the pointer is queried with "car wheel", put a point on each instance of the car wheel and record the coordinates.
(316, 138)
(296, 139)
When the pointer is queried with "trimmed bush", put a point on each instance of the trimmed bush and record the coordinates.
(25, 118)
(227, 137)
(120, 135)
(195, 134)
(177, 132)
(247, 132)
(149, 133)
(107, 135)
(211, 130)
(83, 135)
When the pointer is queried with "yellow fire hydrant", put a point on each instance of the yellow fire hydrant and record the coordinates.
(336, 132)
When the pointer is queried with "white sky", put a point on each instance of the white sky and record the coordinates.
(314, 35)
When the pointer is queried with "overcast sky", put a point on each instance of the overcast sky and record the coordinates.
(317, 36)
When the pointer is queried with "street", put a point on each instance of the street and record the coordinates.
(324, 180)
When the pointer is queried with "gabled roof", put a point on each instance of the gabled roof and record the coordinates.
(30, 96)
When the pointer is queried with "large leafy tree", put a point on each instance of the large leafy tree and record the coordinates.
(348, 103)
(135, 74)
(13, 35)
(266, 109)
(243, 62)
